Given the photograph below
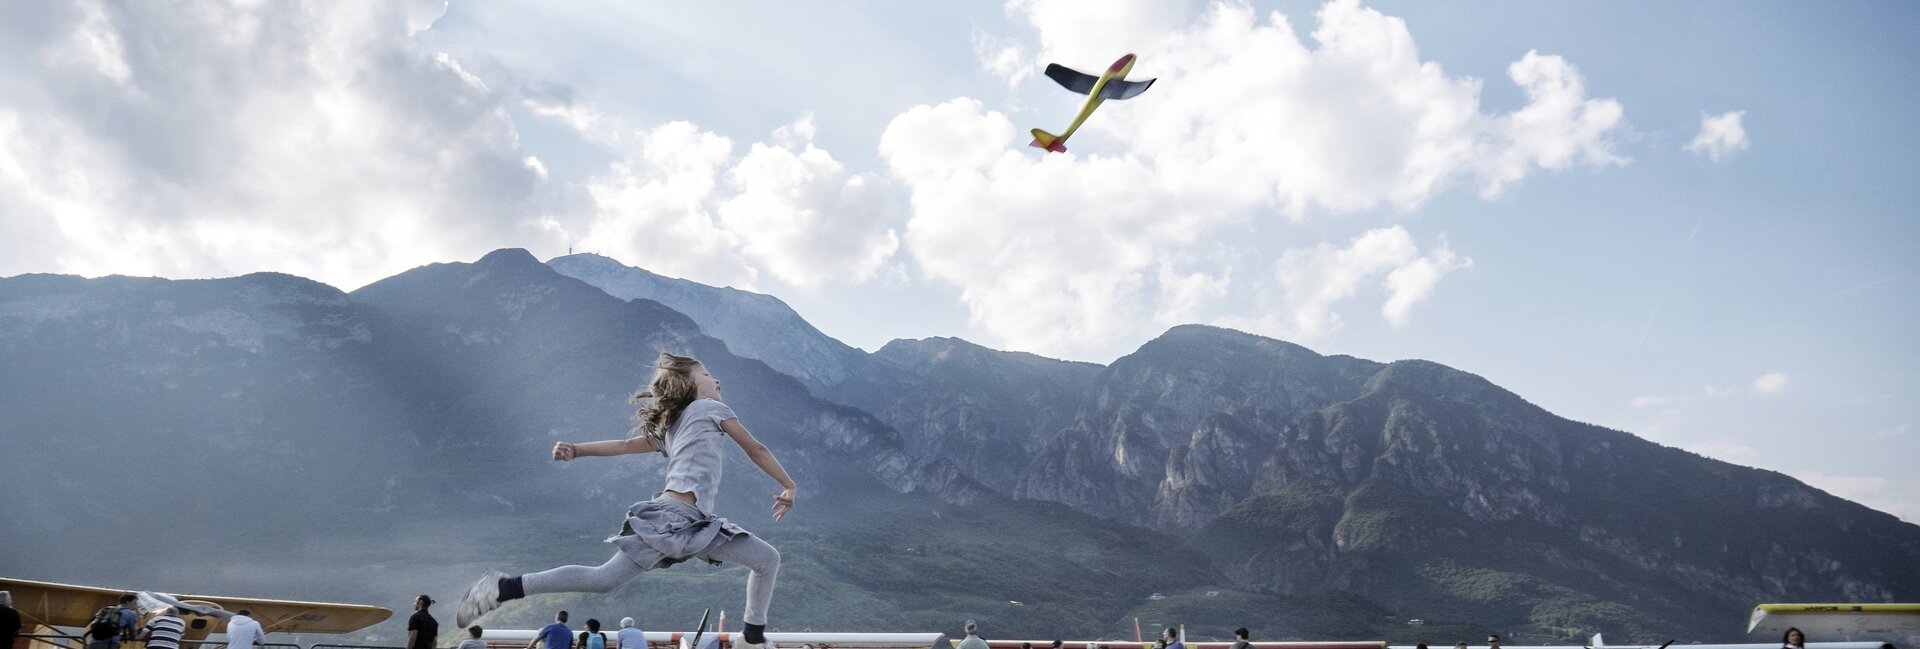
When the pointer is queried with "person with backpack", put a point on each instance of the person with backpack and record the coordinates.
(592, 638)
(112, 623)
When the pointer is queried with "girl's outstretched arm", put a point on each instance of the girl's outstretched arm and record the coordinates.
(563, 451)
(763, 458)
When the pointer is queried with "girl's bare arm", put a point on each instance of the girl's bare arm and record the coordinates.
(564, 451)
(763, 458)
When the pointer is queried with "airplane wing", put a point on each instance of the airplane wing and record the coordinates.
(1898, 624)
(1079, 82)
(68, 605)
(1123, 89)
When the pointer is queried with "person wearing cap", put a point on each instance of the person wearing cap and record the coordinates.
(973, 640)
(422, 628)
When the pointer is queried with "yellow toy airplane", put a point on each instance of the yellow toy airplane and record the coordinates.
(1110, 85)
(46, 604)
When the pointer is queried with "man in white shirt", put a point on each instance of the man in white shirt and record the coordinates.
(630, 637)
(243, 632)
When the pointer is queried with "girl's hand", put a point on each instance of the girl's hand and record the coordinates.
(782, 504)
(563, 451)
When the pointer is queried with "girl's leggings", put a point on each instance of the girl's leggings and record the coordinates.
(747, 550)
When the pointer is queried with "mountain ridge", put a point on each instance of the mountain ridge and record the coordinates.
(1256, 466)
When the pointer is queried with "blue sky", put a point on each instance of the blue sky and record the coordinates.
(1506, 187)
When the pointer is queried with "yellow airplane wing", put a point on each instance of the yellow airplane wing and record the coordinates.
(68, 605)
(1898, 624)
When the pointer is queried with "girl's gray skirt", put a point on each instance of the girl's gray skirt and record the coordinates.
(666, 530)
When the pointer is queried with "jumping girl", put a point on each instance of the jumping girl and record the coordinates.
(681, 416)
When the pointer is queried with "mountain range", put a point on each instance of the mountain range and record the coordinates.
(269, 435)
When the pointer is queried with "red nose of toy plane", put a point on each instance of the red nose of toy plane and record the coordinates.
(1121, 64)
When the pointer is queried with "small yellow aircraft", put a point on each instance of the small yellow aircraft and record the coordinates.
(44, 605)
(1112, 84)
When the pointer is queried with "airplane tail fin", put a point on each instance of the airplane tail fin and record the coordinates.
(1048, 141)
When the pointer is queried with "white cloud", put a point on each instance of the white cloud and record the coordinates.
(1712, 390)
(654, 208)
(1726, 450)
(1050, 254)
(1773, 383)
(1413, 282)
(1649, 401)
(678, 202)
(1720, 136)
(1313, 280)
(1897, 496)
(1255, 115)
(802, 216)
(1003, 57)
(1081, 254)
(315, 139)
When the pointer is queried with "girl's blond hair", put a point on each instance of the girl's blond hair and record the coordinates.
(666, 395)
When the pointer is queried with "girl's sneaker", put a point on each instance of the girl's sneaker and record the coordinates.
(482, 597)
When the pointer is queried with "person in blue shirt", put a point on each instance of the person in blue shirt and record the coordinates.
(1170, 639)
(630, 636)
(557, 635)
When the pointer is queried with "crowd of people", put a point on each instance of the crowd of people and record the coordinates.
(1171, 639)
(113, 624)
(120, 622)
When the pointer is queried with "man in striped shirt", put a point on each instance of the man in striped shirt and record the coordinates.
(164, 630)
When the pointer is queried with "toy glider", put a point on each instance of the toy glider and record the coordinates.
(1112, 84)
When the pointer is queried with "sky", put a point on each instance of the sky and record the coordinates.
(1690, 221)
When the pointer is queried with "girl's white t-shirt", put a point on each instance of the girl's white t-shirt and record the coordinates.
(694, 452)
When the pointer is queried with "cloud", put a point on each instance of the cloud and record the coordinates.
(1720, 136)
(1049, 254)
(678, 202)
(1003, 57)
(1895, 496)
(1773, 383)
(1254, 114)
(1313, 280)
(315, 139)
(654, 208)
(1726, 450)
(1177, 210)
(1648, 401)
(802, 216)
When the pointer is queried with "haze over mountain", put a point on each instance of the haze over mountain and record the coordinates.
(268, 435)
